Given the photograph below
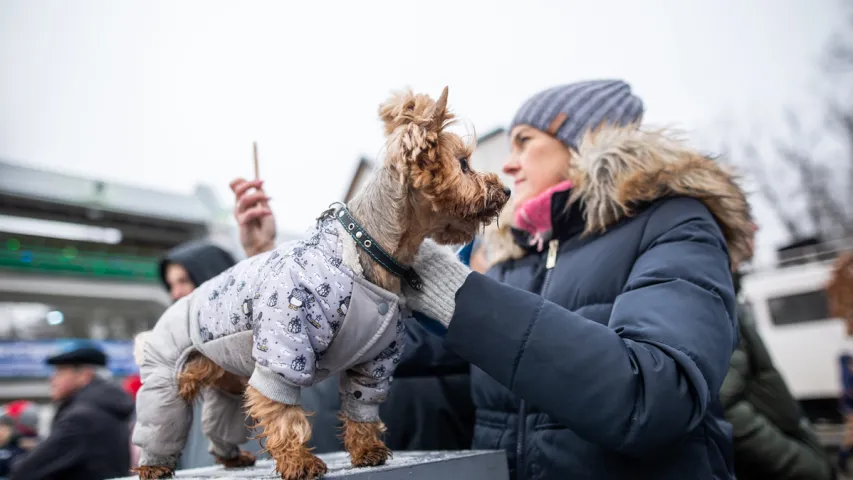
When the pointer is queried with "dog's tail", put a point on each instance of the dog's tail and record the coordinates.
(139, 342)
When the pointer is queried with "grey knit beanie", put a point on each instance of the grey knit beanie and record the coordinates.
(568, 111)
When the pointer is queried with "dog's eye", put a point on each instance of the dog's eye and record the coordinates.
(463, 162)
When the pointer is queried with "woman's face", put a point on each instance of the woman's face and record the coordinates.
(179, 282)
(537, 162)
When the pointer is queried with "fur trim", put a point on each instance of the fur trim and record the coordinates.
(618, 169)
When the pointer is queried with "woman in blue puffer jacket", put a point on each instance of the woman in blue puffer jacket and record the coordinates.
(602, 333)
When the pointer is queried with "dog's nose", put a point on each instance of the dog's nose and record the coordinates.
(507, 192)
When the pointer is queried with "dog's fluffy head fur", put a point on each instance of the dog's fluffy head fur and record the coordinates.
(434, 164)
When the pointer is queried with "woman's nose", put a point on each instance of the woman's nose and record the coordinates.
(510, 167)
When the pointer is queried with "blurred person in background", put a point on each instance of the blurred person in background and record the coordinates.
(190, 264)
(18, 433)
(88, 436)
(429, 406)
(772, 438)
(600, 336)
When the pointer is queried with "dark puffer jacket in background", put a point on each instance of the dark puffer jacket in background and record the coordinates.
(88, 439)
(772, 438)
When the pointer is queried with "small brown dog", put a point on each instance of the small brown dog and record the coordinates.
(330, 303)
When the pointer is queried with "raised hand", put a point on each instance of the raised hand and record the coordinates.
(253, 214)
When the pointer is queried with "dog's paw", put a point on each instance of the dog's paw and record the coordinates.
(244, 459)
(153, 472)
(373, 456)
(307, 467)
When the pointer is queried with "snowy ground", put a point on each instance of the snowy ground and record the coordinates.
(468, 465)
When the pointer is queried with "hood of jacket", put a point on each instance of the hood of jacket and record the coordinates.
(202, 261)
(618, 171)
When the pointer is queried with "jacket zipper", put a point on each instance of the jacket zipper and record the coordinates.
(550, 262)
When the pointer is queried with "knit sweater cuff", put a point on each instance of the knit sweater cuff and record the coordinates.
(274, 386)
(440, 294)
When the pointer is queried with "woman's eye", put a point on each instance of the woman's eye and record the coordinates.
(463, 162)
(523, 140)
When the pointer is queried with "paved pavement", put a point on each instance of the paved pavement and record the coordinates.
(469, 464)
(417, 465)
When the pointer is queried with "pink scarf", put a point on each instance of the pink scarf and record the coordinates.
(534, 216)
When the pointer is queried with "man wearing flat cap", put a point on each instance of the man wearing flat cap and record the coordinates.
(89, 436)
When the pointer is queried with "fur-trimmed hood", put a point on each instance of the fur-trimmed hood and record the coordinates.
(618, 170)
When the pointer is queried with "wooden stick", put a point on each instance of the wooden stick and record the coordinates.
(255, 148)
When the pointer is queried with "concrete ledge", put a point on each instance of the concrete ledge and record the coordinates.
(465, 464)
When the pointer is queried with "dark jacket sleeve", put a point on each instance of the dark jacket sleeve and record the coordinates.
(639, 383)
(759, 444)
(62, 450)
(425, 354)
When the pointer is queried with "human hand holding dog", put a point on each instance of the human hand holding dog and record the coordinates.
(442, 274)
(253, 214)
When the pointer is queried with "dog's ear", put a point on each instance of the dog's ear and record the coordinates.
(437, 114)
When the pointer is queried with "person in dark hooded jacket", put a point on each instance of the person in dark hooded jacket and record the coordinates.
(190, 264)
(601, 335)
(88, 438)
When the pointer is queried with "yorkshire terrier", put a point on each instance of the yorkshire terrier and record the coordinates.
(329, 303)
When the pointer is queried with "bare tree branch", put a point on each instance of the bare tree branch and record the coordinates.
(755, 164)
(821, 199)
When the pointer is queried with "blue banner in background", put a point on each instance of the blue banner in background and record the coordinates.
(26, 358)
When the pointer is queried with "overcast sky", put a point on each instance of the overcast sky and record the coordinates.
(170, 94)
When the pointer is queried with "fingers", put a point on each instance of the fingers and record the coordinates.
(254, 213)
(233, 184)
(249, 200)
(239, 186)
